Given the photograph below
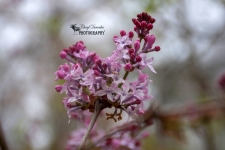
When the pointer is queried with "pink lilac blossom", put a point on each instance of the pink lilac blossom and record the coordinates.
(124, 140)
(122, 42)
(109, 91)
(119, 141)
(88, 79)
(76, 136)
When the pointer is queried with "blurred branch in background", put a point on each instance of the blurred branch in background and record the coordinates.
(171, 122)
(3, 144)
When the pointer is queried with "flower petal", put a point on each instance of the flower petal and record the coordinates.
(100, 93)
(110, 96)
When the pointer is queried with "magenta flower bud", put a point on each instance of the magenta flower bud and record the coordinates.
(131, 34)
(128, 67)
(138, 59)
(63, 54)
(65, 50)
(66, 67)
(135, 28)
(144, 14)
(136, 45)
(152, 20)
(61, 74)
(138, 24)
(146, 38)
(58, 88)
(96, 72)
(134, 20)
(72, 48)
(132, 56)
(143, 24)
(104, 66)
(157, 48)
(149, 26)
(138, 101)
(80, 46)
(91, 58)
(131, 51)
(95, 58)
(139, 15)
(98, 62)
(95, 68)
(122, 33)
(151, 41)
(115, 36)
(76, 66)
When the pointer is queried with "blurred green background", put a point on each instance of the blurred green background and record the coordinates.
(191, 35)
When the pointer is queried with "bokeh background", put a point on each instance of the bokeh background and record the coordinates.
(32, 33)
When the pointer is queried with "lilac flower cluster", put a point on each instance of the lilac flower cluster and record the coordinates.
(125, 139)
(89, 78)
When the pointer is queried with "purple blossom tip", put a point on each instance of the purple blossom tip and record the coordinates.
(131, 34)
(135, 28)
(61, 74)
(138, 59)
(122, 33)
(149, 26)
(131, 51)
(133, 20)
(96, 72)
(58, 88)
(128, 67)
(138, 102)
(136, 45)
(115, 37)
(98, 62)
(157, 48)
(63, 54)
(143, 24)
(151, 40)
(132, 56)
(152, 20)
(80, 46)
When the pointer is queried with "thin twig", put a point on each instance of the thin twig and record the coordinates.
(98, 109)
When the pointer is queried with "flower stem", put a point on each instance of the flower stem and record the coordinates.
(98, 109)
(125, 75)
(124, 78)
